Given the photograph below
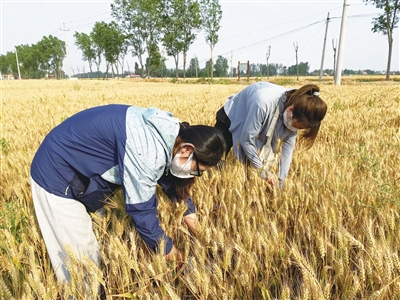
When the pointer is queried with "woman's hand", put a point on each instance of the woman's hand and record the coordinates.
(269, 178)
(190, 221)
(175, 256)
(272, 180)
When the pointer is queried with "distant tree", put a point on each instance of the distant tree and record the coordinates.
(192, 23)
(271, 67)
(110, 40)
(28, 57)
(8, 63)
(161, 70)
(386, 22)
(193, 67)
(98, 52)
(173, 32)
(349, 72)
(207, 69)
(279, 68)
(138, 70)
(303, 69)
(86, 45)
(51, 52)
(211, 14)
(254, 69)
(154, 60)
(141, 22)
(123, 52)
(221, 66)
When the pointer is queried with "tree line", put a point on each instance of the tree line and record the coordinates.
(150, 29)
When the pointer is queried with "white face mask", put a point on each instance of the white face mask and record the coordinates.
(179, 170)
(288, 121)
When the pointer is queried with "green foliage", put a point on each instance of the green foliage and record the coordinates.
(386, 22)
(35, 60)
(193, 69)
(109, 40)
(84, 42)
(181, 21)
(5, 145)
(141, 23)
(221, 66)
(303, 69)
(211, 14)
(12, 219)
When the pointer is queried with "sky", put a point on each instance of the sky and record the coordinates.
(248, 30)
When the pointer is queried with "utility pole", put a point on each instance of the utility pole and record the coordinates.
(296, 47)
(268, 54)
(196, 64)
(231, 64)
(323, 49)
(334, 58)
(16, 55)
(66, 48)
(338, 73)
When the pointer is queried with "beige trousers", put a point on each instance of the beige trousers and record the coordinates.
(64, 223)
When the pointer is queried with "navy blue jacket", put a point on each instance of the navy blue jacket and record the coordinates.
(95, 151)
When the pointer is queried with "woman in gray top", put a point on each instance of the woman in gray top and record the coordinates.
(246, 117)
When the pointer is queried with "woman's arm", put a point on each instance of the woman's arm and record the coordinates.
(286, 158)
(190, 221)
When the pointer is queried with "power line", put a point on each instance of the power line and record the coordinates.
(88, 18)
(249, 32)
(277, 37)
(91, 23)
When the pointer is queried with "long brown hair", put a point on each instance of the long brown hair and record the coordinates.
(308, 109)
(209, 146)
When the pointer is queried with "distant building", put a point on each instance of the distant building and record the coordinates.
(133, 76)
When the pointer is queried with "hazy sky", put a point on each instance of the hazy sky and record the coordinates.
(247, 29)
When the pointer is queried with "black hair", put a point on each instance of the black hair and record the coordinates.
(209, 143)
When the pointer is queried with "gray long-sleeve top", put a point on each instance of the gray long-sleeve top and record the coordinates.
(251, 112)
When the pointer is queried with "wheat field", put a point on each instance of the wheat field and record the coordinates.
(331, 233)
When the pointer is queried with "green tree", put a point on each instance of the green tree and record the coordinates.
(173, 32)
(29, 60)
(193, 67)
(211, 14)
(181, 21)
(110, 40)
(140, 21)
(207, 69)
(271, 70)
(50, 52)
(84, 42)
(154, 60)
(8, 63)
(385, 23)
(303, 69)
(221, 66)
(138, 70)
(191, 26)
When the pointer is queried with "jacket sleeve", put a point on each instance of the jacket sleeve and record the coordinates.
(147, 224)
(139, 168)
(168, 187)
(286, 158)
